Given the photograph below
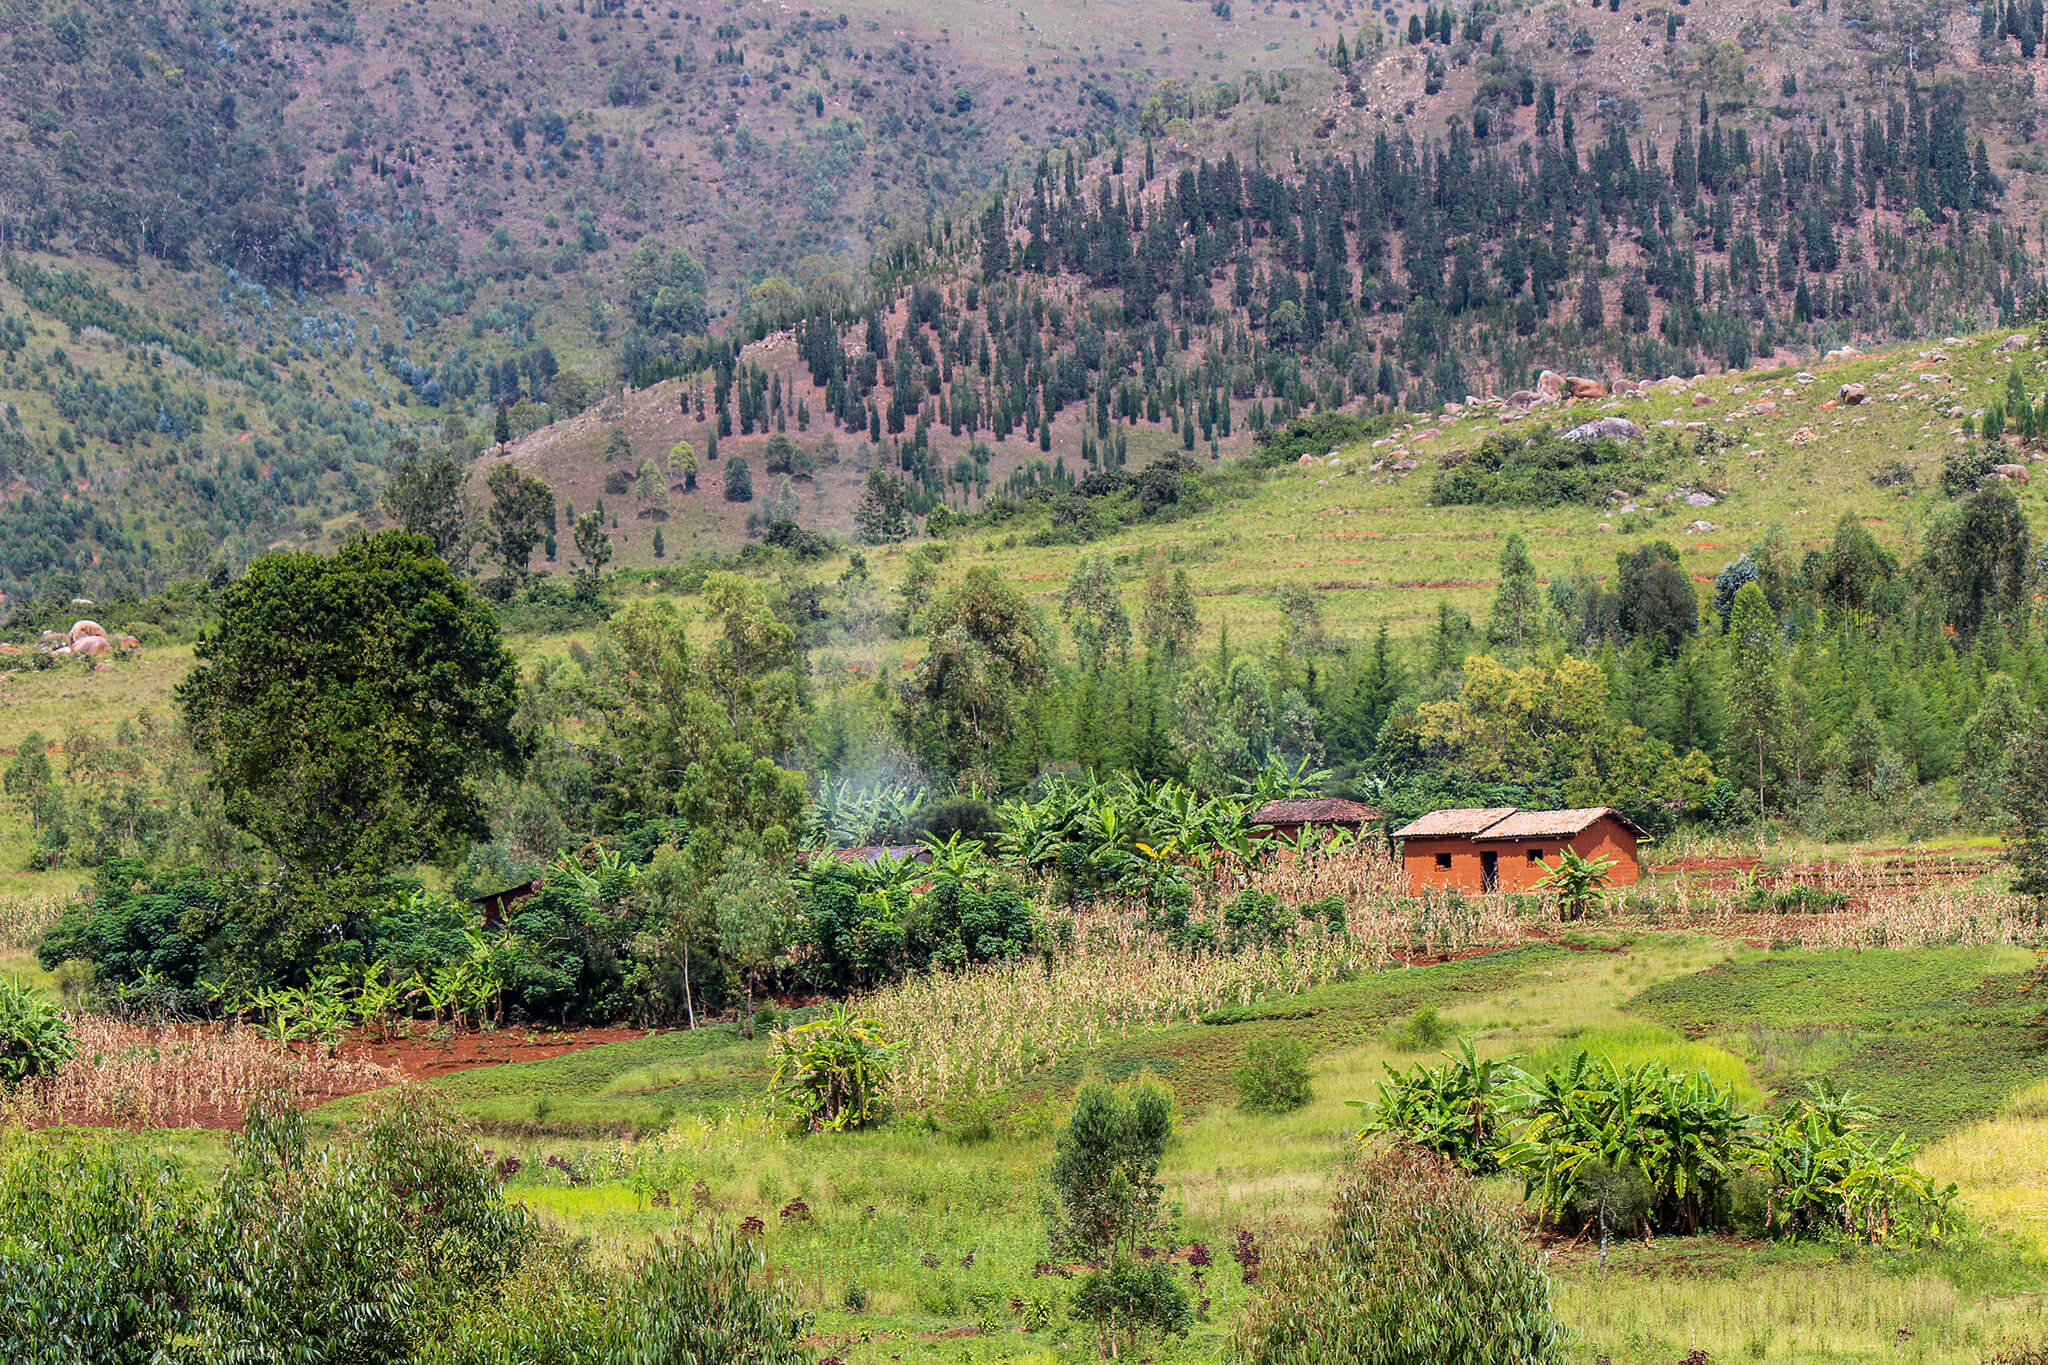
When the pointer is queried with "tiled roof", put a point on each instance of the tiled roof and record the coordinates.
(1452, 824)
(1321, 810)
(1555, 824)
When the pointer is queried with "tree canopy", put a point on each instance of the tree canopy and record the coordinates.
(348, 705)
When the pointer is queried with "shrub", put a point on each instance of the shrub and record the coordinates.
(1105, 1203)
(34, 1038)
(96, 1255)
(362, 1250)
(710, 1299)
(1421, 1031)
(142, 926)
(1417, 1266)
(833, 1073)
(1274, 1077)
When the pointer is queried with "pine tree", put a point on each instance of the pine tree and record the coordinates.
(1757, 703)
(1518, 601)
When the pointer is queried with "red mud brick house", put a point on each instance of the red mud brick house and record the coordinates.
(1288, 819)
(1485, 852)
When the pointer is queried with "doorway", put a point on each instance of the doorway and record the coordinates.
(1489, 873)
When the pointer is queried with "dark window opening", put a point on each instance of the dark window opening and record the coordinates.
(1443, 860)
(1535, 855)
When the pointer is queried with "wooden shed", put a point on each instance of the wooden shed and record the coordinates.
(1288, 819)
(492, 908)
(1491, 851)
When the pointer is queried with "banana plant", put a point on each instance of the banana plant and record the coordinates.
(482, 987)
(958, 860)
(377, 999)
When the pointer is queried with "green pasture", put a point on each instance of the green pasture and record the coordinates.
(919, 1240)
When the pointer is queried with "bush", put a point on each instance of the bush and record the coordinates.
(1274, 1077)
(145, 933)
(1316, 434)
(358, 1251)
(394, 1243)
(1422, 1031)
(1674, 1152)
(1417, 1266)
(1539, 468)
(34, 1038)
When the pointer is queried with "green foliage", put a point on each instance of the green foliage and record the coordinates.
(1131, 1297)
(1103, 1190)
(394, 1243)
(522, 513)
(709, 1299)
(360, 1250)
(1420, 1031)
(432, 500)
(148, 935)
(1104, 1203)
(1453, 1109)
(1589, 1137)
(97, 1255)
(349, 706)
(2024, 798)
(833, 1073)
(1540, 468)
(35, 1038)
(1316, 434)
(1417, 1265)
(987, 649)
(1274, 1078)
(872, 921)
(1823, 1176)
(1578, 882)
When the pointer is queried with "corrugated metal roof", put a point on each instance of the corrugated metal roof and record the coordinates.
(1452, 824)
(1319, 810)
(870, 853)
(1555, 824)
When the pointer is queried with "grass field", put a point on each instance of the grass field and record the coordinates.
(918, 1240)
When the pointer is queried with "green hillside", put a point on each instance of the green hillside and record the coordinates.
(261, 253)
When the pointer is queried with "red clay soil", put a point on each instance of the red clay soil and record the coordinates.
(422, 1059)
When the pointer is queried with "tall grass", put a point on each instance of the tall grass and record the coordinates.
(975, 1031)
(23, 920)
(1998, 1164)
(130, 1075)
(1783, 1312)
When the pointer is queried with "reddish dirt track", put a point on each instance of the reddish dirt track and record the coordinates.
(422, 1059)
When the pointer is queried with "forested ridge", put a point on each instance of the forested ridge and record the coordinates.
(256, 250)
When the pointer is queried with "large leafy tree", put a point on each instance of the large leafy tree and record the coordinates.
(522, 514)
(431, 499)
(964, 700)
(1977, 560)
(349, 706)
(1095, 611)
(686, 731)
